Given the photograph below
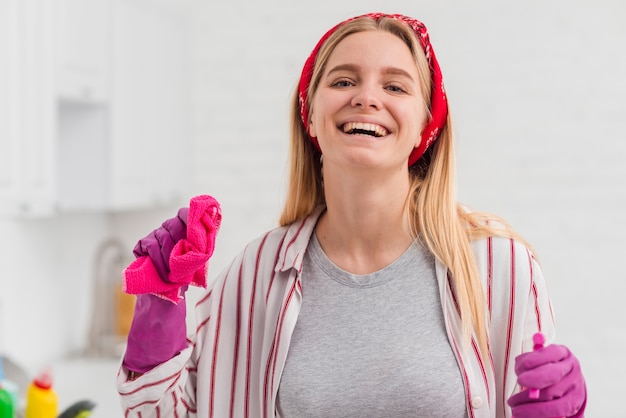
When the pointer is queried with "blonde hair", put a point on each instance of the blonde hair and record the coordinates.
(432, 212)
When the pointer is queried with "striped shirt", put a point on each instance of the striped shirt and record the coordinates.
(233, 364)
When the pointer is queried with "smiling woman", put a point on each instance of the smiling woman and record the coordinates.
(415, 35)
(380, 94)
(378, 294)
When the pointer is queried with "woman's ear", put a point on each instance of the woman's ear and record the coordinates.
(312, 131)
(418, 141)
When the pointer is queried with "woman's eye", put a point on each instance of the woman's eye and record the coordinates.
(395, 89)
(342, 83)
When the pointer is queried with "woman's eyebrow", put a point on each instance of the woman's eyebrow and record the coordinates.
(386, 70)
(397, 71)
(343, 67)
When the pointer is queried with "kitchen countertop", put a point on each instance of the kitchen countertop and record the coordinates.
(88, 378)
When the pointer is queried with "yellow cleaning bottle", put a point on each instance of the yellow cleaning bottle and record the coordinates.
(41, 399)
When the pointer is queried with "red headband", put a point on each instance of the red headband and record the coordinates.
(438, 101)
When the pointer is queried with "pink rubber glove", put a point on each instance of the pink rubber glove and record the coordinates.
(158, 331)
(556, 372)
(159, 243)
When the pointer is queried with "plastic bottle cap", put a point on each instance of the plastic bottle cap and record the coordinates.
(43, 381)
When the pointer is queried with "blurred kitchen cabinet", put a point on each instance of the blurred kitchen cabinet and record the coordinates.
(82, 161)
(83, 60)
(27, 108)
(130, 151)
(8, 99)
(150, 102)
(83, 55)
(94, 106)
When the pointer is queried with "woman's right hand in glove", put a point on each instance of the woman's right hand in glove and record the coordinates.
(159, 243)
(158, 331)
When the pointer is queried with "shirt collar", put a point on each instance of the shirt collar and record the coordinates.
(296, 240)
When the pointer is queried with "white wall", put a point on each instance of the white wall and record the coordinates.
(45, 276)
(536, 90)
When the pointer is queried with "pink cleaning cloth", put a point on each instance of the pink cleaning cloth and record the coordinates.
(188, 259)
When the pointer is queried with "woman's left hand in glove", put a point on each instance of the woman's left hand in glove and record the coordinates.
(556, 372)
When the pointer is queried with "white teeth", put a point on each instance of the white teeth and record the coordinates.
(376, 130)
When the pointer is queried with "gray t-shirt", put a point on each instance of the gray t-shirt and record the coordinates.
(371, 345)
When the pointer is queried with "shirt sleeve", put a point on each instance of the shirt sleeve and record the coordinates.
(519, 306)
(166, 390)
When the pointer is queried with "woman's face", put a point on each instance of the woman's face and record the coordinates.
(368, 110)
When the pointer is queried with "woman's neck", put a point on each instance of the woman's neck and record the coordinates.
(363, 229)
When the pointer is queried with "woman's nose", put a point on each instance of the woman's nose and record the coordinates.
(365, 96)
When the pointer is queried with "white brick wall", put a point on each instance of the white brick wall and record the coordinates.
(536, 90)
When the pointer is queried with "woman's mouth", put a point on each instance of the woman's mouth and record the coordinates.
(362, 128)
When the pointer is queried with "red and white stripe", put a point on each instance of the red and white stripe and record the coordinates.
(234, 361)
